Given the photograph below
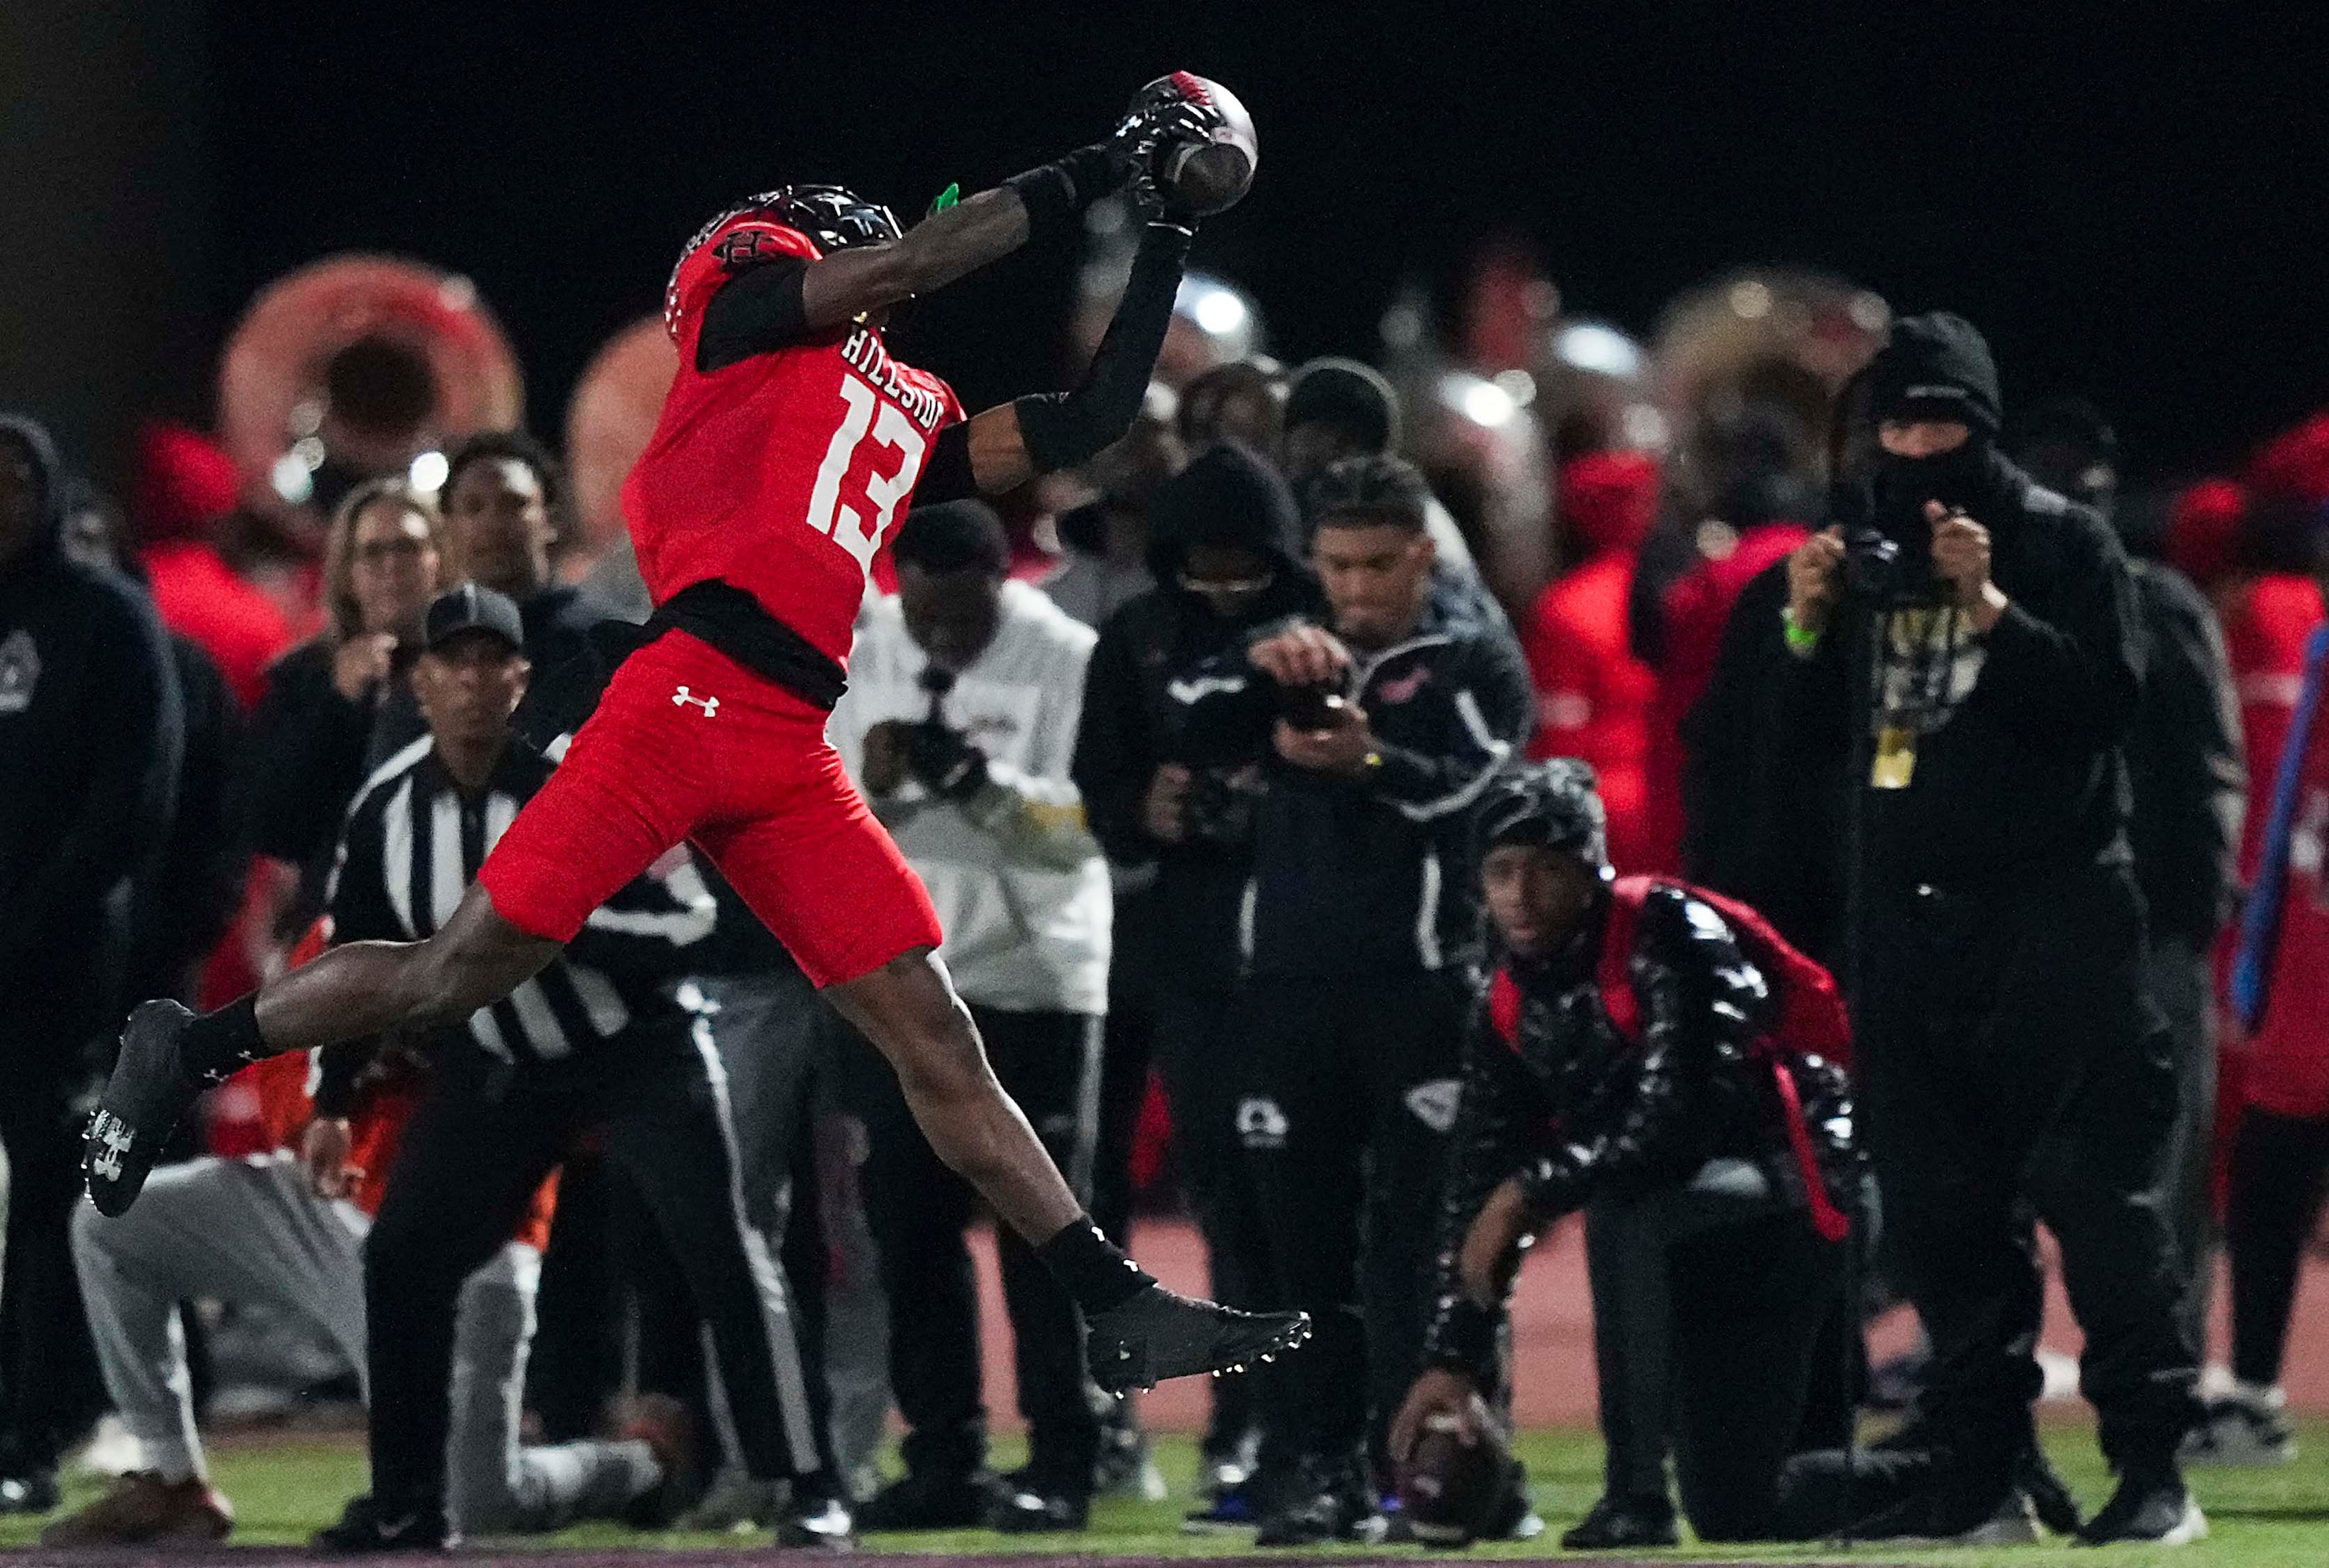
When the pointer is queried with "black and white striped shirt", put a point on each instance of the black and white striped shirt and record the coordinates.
(412, 844)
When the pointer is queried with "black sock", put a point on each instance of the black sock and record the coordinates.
(1090, 1268)
(216, 1045)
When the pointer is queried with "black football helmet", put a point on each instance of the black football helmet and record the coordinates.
(833, 218)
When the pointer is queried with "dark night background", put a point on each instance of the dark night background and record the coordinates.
(2128, 200)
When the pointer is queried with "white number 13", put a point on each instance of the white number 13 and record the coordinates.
(854, 531)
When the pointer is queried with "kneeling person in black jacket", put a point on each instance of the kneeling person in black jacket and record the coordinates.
(1665, 1096)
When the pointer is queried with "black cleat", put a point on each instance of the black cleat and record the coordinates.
(148, 1093)
(1158, 1335)
(929, 1501)
(2152, 1505)
(367, 1529)
(1027, 1505)
(1617, 1523)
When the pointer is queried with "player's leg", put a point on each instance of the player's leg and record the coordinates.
(1749, 1297)
(825, 878)
(168, 1056)
(624, 794)
(2278, 1169)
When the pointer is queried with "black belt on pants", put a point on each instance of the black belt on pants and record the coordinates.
(732, 621)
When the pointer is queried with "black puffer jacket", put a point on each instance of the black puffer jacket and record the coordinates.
(1578, 1110)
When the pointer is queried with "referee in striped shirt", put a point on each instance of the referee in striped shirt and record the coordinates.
(593, 1044)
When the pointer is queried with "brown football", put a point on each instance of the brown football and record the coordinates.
(1448, 1491)
(1210, 175)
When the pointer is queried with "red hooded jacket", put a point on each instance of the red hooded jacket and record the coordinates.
(1593, 696)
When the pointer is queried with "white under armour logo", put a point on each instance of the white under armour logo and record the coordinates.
(682, 697)
(114, 1134)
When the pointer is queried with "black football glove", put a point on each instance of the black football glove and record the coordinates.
(1161, 122)
(944, 762)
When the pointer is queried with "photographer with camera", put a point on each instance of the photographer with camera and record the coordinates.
(1382, 722)
(1225, 547)
(958, 723)
(1969, 640)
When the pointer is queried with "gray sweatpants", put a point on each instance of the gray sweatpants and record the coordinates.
(252, 1230)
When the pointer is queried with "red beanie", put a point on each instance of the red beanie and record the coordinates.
(2203, 529)
(184, 484)
(1609, 500)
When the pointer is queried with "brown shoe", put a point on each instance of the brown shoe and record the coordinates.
(143, 1506)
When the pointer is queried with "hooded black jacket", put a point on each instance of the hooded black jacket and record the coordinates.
(91, 731)
(2025, 772)
(1132, 723)
(189, 894)
(2184, 760)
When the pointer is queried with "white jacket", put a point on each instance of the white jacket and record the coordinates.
(1021, 888)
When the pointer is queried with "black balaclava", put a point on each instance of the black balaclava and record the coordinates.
(1934, 366)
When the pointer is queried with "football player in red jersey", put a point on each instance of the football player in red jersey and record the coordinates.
(790, 441)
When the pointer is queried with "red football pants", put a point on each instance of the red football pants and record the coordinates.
(689, 745)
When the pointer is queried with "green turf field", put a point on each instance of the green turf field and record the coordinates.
(283, 1490)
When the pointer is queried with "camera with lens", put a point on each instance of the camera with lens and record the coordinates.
(1219, 806)
(1310, 707)
(1878, 571)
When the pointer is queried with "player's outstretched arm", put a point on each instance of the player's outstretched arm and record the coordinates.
(962, 239)
(1004, 447)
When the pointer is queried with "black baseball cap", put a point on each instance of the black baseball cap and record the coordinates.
(472, 608)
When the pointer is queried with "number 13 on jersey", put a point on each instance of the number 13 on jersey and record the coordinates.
(858, 525)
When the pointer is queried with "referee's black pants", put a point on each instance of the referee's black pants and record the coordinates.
(1350, 1094)
(2008, 1053)
(1049, 1062)
(471, 1158)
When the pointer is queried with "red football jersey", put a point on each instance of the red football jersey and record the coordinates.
(783, 473)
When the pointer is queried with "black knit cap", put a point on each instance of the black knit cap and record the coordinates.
(1936, 366)
(1555, 804)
